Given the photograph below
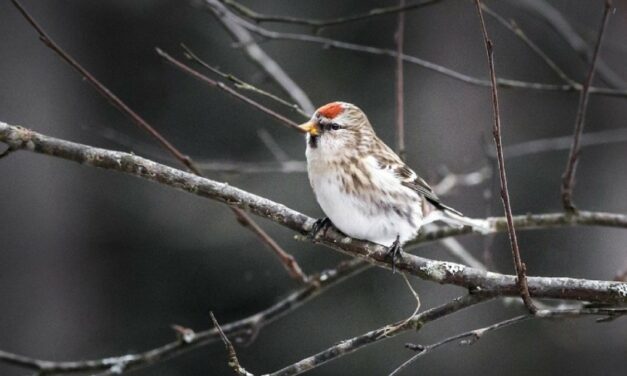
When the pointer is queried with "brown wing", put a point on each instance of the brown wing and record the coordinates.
(390, 161)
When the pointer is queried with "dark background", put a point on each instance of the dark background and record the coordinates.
(96, 263)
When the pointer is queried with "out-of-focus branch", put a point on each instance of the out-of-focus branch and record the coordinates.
(604, 137)
(400, 90)
(556, 20)
(496, 133)
(260, 57)
(436, 271)
(514, 28)
(220, 85)
(246, 329)
(451, 180)
(328, 42)
(289, 263)
(104, 91)
(241, 84)
(568, 178)
(319, 24)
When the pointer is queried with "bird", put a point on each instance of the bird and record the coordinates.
(363, 187)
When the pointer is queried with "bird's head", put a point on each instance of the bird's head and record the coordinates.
(337, 125)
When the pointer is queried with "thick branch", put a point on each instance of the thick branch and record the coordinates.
(436, 271)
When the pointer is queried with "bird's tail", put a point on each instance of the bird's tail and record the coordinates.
(455, 218)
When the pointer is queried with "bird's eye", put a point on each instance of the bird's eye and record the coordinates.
(335, 126)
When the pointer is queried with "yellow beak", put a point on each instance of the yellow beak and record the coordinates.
(310, 127)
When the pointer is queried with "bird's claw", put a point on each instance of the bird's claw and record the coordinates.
(394, 251)
(321, 225)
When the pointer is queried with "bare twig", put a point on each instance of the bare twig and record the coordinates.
(232, 355)
(220, 85)
(244, 328)
(106, 93)
(472, 336)
(451, 180)
(262, 59)
(568, 178)
(348, 346)
(328, 42)
(466, 338)
(241, 84)
(496, 132)
(437, 271)
(556, 20)
(514, 28)
(400, 91)
(319, 24)
(604, 137)
(288, 262)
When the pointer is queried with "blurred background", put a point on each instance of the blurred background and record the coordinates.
(95, 263)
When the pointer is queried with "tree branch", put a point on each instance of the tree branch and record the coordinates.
(568, 178)
(262, 59)
(436, 271)
(289, 263)
(496, 133)
(545, 11)
(400, 90)
(319, 24)
(246, 329)
(388, 331)
(239, 83)
(232, 355)
(216, 6)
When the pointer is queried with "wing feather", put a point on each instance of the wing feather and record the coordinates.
(388, 160)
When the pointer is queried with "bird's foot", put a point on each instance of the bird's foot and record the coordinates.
(320, 226)
(394, 251)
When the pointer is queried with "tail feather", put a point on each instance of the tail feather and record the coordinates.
(455, 218)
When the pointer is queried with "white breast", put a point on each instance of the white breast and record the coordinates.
(359, 216)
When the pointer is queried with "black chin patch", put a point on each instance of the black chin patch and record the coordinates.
(313, 141)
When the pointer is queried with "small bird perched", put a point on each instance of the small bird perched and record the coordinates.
(363, 187)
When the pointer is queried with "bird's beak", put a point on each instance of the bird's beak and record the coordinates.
(310, 127)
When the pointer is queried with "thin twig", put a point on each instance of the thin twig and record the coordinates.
(543, 10)
(244, 329)
(233, 362)
(220, 85)
(466, 338)
(216, 6)
(400, 91)
(319, 24)
(603, 137)
(288, 262)
(496, 133)
(104, 91)
(263, 60)
(350, 345)
(514, 28)
(239, 83)
(568, 178)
